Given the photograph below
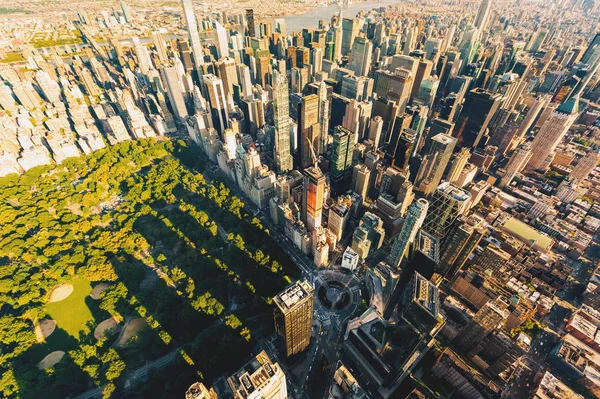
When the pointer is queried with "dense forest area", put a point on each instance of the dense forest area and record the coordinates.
(165, 249)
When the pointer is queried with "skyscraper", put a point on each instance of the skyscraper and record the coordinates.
(260, 378)
(218, 105)
(324, 107)
(360, 57)
(410, 227)
(342, 150)
(437, 154)
(142, 55)
(195, 43)
(447, 204)
(478, 110)
(251, 31)
(585, 165)
(483, 15)
(552, 132)
(222, 42)
(281, 117)
(309, 130)
(160, 45)
(517, 162)
(313, 197)
(293, 316)
(126, 11)
(461, 241)
(349, 33)
(459, 160)
(170, 78)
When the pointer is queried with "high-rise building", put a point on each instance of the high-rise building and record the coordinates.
(309, 130)
(585, 165)
(195, 43)
(485, 321)
(361, 175)
(592, 52)
(228, 74)
(368, 235)
(483, 15)
(170, 78)
(126, 12)
(324, 107)
(313, 197)
(437, 154)
(360, 57)
(251, 26)
(350, 28)
(552, 132)
(217, 100)
(341, 153)
(160, 45)
(461, 241)
(142, 55)
(222, 41)
(447, 204)
(478, 110)
(517, 162)
(281, 117)
(260, 378)
(410, 227)
(293, 316)
(457, 164)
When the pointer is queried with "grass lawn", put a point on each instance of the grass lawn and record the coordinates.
(73, 313)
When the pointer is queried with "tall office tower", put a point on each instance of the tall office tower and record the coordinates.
(360, 57)
(486, 320)
(227, 72)
(251, 27)
(218, 104)
(585, 165)
(592, 52)
(479, 108)
(517, 162)
(222, 41)
(437, 154)
(350, 29)
(293, 316)
(447, 204)
(49, 87)
(185, 54)
(281, 117)
(341, 153)
(411, 38)
(313, 197)
(324, 107)
(195, 43)
(160, 45)
(309, 130)
(368, 235)
(530, 117)
(260, 378)
(457, 164)
(126, 12)
(483, 15)
(410, 227)
(316, 59)
(427, 91)
(279, 26)
(404, 149)
(243, 72)
(142, 55)
(263, 73)
(198, 391)
(460, 243)
(375, 129)
(361, 175)
(170, 78)
(552, 132)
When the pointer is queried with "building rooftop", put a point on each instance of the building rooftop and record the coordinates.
(293, 295)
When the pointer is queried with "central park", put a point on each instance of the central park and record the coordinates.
(111, 262)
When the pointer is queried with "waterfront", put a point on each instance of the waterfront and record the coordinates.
(312, 17)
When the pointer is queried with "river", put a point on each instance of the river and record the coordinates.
(312, 17)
